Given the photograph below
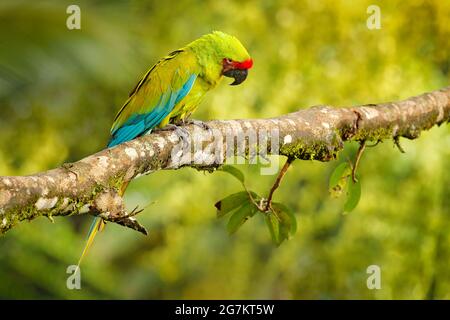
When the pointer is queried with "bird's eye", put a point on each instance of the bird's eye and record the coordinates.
(228, 61)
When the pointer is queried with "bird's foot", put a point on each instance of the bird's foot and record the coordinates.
(201, 124)
(182, 133)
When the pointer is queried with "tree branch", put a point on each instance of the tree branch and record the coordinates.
(318, 133)
(277, 182)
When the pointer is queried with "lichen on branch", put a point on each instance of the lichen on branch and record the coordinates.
(91, 185)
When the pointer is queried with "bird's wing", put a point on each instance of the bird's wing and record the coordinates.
(155, 96)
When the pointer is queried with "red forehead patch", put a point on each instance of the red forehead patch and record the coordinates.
(247, 64)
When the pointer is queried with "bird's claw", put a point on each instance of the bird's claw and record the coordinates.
(182, 133)
(201, 124)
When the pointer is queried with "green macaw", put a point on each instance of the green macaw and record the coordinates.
(174, 87)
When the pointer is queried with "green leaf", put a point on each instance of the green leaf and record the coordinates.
(338, 174)
(353, 195)
(286, 216)
(241, 215)
(274, 228)
(235, 172)
(231, 202)
(284, 232)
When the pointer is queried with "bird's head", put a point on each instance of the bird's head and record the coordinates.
(223, 55)
(236, 69)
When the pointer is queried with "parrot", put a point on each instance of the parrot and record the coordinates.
(172, 90)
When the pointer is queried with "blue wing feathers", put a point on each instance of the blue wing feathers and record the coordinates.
(130, 130)
(186, 88)
(139, 124)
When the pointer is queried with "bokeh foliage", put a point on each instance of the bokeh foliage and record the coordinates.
(60, 89)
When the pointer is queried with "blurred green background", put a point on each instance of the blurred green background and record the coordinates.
(60, 90)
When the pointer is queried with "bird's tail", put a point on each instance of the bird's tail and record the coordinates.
(97, 225)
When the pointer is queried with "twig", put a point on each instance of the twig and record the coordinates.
(397, 144)
(362, 147)
(277, 182)
(251, 197)
(375, 144)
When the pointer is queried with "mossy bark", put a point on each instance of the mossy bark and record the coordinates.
(91, 185)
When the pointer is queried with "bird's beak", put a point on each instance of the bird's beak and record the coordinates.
(239, 75)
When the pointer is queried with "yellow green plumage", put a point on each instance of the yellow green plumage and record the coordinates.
(174, 87)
